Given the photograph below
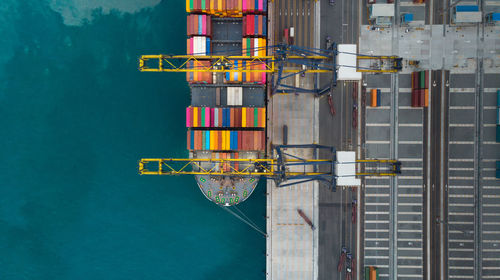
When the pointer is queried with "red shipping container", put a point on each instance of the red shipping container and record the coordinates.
(251, 24)
(236, 163)
(231, 117)
(211, 117)
(220, 117)
(189, 139)
(414, 98)
(245, 26)
(252, 116)
(421, 95)
(263, 141)
(240, 136)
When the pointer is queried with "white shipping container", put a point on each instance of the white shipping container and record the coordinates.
(256, 46)
(468, 17)
(238, 96)
(382, 10)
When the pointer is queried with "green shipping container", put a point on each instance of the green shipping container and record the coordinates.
(422, 79)
(203, 4)
(255, 117)
(203, 118)
(191, 4)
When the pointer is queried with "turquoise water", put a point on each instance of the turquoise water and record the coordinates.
(76, 116)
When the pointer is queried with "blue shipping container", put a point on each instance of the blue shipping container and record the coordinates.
(191, 144)
(379, 94)
(408, 17)
(498, 133)
(495, 17)
(467, 8)
(498, 98)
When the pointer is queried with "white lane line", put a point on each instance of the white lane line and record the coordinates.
(461, 178)
(461, 204)
(461, 195)
(457, 90)
(490, 107)
(461, 125)
(490, 143)
(461, 168)
(376, 213)
(409, 124)
(461, 142)
(377, 230)
(378, 124)
(377, 142)
(410, 142)
(411, 159)
(462, 107)
(461, 159)
(378, 108)
(489, 125)
(460, 214)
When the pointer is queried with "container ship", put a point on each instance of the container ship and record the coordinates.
(227, 115)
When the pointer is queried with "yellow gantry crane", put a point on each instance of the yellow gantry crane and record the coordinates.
(283, 168)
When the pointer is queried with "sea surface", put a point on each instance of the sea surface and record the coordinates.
(75, 117)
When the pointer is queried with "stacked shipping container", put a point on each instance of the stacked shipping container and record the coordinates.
(375, 97)
(255, 6)
(199, 25)
(220, 8)
(254, 25)
(198, 45)
(419, 90)
(199, 77)
(249, 117)
(226, 140)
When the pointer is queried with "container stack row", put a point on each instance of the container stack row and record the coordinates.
(198, 76)
(254, 47)
(199, 25)
(419, 90)
(254, 25)
(246, 77)
(198, 45)
(255, 6)
(375, 95)
(246, 117)
(225, 140)
(220, 8)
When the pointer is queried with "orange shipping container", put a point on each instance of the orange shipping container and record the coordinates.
(373, 102)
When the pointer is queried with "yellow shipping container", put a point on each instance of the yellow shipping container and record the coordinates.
(195, 116)
(244, 117)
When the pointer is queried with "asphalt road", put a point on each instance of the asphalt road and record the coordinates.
(340, 22)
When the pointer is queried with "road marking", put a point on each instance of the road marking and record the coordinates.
(458, 90)
(376, 213)
(461, 204)
(410, 230)
(461, 195)
(410, 142)
(461, 249)
(409, 195)
(461, 125)
(462, 107)
(409, 204)
(410, 213)
(410, 124)
(376, 239)
(378, 124)
(461, 160)
(411, 159)
(491, 196)
(409, 222)
(376, 221)
(377, 194)
(461, 169)
(461, 214)
(376, 230)
(410, 186)
(376, 257)
(491, 223)
(461, 142)
(461, 178)
(489, 125)
(377, 142)
(490, 142)
(460, 259)
(460, 223)
(409, 177)
(460, 240)
(405, 90)
(489, 107)
(376, 248)
(379, 108)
